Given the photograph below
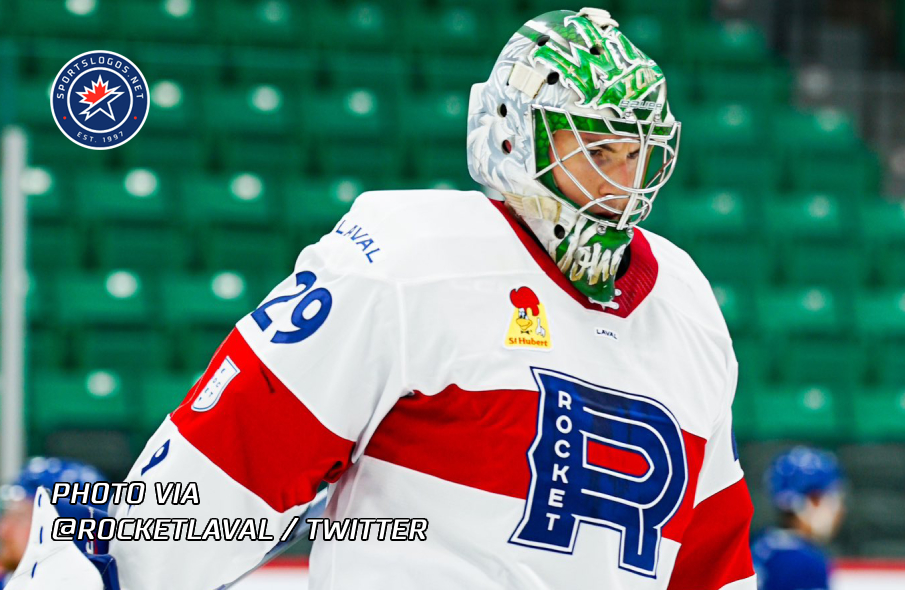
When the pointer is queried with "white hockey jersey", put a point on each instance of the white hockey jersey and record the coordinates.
(429, 360)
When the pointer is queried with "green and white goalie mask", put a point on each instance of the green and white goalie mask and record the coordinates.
(578, 74)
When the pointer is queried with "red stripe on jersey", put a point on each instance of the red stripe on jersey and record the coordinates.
(480, 439)
(617, 459)
(474, 438)
(260, 434)
(694, 455)
(636, 284)
(715, 549)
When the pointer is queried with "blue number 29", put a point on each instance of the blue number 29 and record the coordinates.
(306, 326)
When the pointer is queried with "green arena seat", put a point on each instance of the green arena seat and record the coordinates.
(732, 43)
(833, 264)
(247, 250)
(261, 110)
(162, 21)
(165, 152)
(385, 74)
(434, 117)
(98, 398)
(791, 311)
(351, 116)
(716, 127)
(838, 363)
(217, 299)
(124, 350)
(441, 160)
(809, 412)
(762, 88)
(196, 347)
(883, 220)
(709, 213)
(289, 68)
(355, 26)
(267, 155)
(797, 216)
(757, 172)
(50, 148)
(462, 29)
(243, 198)
(66, 20)
(135, 195)
(53, 246)
(888, 366)
(46, 349)
(318, 203)
(382, 162)
(174, 106)
(857, 172)
(822, 131)
(755, 362)
(456, 73)
(880, 313)
(742, 262)
(193, 65)
(145, 249)
(737, 307)
(115, 298)
(47, 193)
(879, 414)
(647, 32)
(679, 91)
(267, 22)
(32, 104)
(160, 393)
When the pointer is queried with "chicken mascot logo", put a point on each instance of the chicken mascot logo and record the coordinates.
(529, 327)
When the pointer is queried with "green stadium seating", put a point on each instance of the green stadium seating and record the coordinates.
(138, 195)
(243, 199)
(853, 173)
(797, 216)
(388, 76)
(50, 148)
(288, 68)
(355, 114)
(460, 29)
(46, 349)
(801, 311)
(356, 26)
(32, 104)
(165, 152)
(101, 299)
(742, 262)
(155, 20)
(47, 192)
(213, 300)
(755, 362)
(888, 366)
(833, 264)
(89, 399)
(879, 414)
(808, 132)
(881, 313)
(145, 249)
(756, 172)
(810, 412)
(262, 110)
(450, 73)
(429, 118)
(190, 64)
(127, 351)
(247, 250)
(58, 19)
(159, 394)
(267, 22)
(836, 363)
(267, 155)
(197, 346)
(647, 32)
(318, 203)
(732, 43)
(54, 246)
(760, 88)
(716, 127)
(174, 106)
(441, 160)
(709, 213)
(737, 307)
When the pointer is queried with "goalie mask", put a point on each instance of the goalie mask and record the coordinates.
(577, 74)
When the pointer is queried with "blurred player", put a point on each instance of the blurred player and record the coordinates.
(544, 382)
(806, 488)
(16, 503)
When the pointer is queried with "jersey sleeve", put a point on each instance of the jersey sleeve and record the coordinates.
(715, 552)
(286, 402)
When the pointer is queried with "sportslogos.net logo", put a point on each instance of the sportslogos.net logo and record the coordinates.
(99, 100)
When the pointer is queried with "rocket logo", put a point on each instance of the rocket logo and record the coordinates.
(529, 327)
(99, 100)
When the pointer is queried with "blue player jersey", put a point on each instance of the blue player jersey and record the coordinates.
(784, 560)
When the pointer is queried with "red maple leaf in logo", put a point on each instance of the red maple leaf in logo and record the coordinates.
(97, 92)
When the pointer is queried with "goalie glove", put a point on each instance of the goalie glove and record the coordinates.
(58, 565)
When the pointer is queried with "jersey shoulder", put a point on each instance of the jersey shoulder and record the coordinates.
(419, 235)
(681, 284)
